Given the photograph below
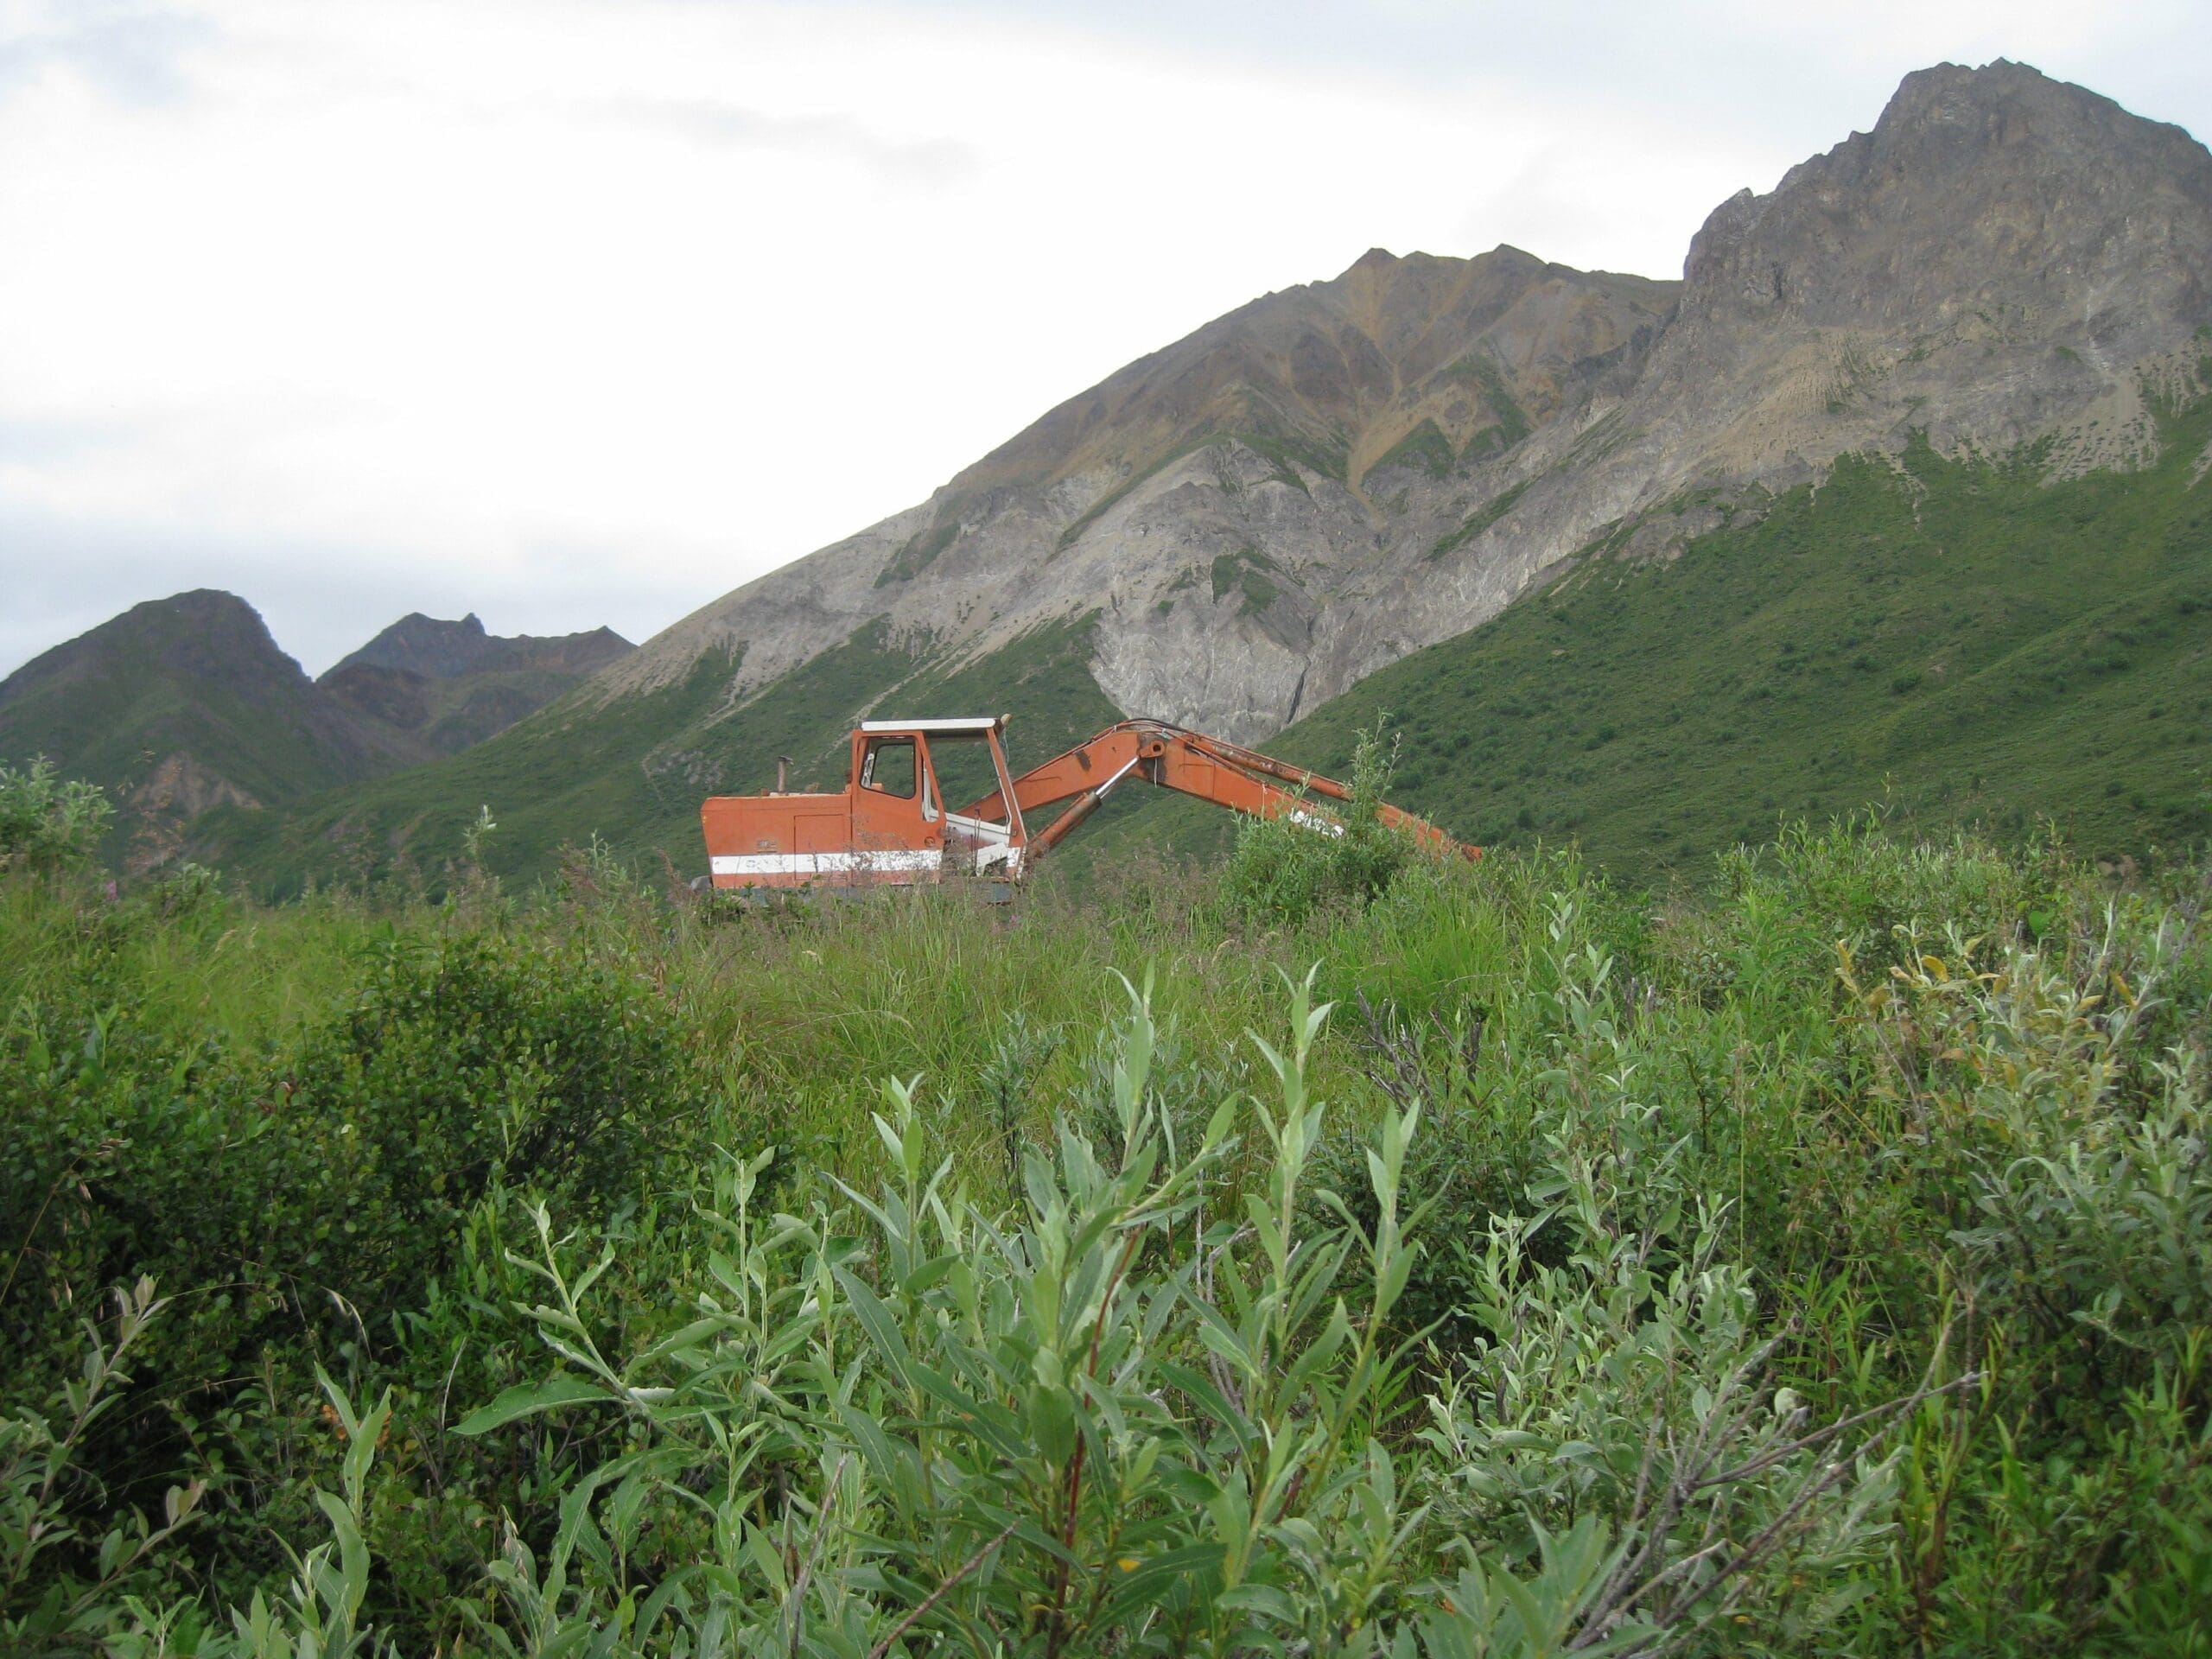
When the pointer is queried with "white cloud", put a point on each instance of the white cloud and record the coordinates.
(580, 312)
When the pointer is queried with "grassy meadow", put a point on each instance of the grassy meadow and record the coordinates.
(1339, 1253)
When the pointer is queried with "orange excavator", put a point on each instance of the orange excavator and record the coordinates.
(893, 824)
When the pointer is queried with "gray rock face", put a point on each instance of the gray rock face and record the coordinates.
(1312, 487)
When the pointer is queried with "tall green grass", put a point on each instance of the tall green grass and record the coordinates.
(1815, 1263)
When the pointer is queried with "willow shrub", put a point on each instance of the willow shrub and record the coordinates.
(1134, 1416)
(1667, 1279)
(464, 1064)
(1285, 868)
(48, 822)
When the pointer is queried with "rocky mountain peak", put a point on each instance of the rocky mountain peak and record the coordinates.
(450, 685)
(1976, 185)
(204, 634)
(425, 644)
(440, 649)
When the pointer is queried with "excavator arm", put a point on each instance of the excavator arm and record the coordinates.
(1170, 757)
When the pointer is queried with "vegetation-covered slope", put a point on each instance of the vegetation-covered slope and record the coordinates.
(1960, 639)
(180, 704)
(448, 685)
(185, 706)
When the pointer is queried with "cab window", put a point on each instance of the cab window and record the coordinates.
(962, 764)
(888, 766)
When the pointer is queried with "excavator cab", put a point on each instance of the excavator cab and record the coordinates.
(891, 825)
(961, 760)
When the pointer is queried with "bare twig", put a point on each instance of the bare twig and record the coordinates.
(938, 1594)
(1643, 1573)
(814, 1550)
(1395, 1067)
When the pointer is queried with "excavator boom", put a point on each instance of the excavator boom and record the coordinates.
(891, 825)
(1190, 763)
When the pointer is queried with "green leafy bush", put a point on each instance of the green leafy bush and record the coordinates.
(61, 1584)
(343, 1169)
(311, 1197)
(47, 821)
(464, 1064)
(2084, 1193)
(1058, 1428)
(1287, 866)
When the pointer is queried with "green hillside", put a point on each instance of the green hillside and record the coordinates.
(632, 771)
(183, 701)
(1956, 638)
(197, 673)
(441, 716)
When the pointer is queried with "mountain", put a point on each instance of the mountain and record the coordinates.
(438, 650)
(450, 685)
(1310, 487)
(1219, 506)
(1999, 293)
(183, 705)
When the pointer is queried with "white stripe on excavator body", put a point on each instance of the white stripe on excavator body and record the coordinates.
(824, 863)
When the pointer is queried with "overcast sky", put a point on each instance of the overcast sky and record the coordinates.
(572, 312)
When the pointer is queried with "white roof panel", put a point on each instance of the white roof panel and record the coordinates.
(979, 723)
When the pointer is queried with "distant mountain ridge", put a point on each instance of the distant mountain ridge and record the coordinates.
(181, 705)
(450, 685)
(184, 703)
(439, 650)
